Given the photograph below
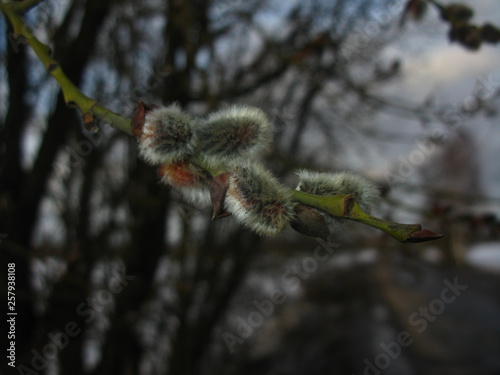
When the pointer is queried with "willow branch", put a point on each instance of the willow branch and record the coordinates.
(341, 206)
(344, 206)
(21, 7)
(73, 96)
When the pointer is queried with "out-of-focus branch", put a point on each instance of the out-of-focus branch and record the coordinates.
(23, 6)
(458, 16)
(73, 96)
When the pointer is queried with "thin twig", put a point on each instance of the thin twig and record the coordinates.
(73, 96)
(345, 206)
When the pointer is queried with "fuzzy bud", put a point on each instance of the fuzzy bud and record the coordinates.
(167, 135)
(364, 191)
(191, 181)
(234, 134)
(258, 200)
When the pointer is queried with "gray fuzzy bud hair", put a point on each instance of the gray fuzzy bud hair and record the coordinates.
(167, 136)
(364, 191)
(234, 134)
(258, 200)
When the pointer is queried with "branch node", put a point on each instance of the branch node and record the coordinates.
(53, 66)
(347, 205)
(89, 122)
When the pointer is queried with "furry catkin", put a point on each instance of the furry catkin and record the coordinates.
(167, 136)
(232, 135)
(364, 191)
(258, 200)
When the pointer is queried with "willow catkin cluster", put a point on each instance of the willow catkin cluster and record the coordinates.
(230, 140)
(216, 159)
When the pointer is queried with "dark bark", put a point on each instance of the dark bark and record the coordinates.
(27, 189)
(13, 177)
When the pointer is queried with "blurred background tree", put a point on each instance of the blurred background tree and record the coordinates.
(151, 284)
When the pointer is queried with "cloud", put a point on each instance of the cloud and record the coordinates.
(448, 66)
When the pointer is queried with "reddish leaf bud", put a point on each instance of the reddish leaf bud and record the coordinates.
(423, 236)
(218, 191)
(140, 117)
(311, 222)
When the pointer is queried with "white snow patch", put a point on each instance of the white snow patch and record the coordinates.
(485, 255)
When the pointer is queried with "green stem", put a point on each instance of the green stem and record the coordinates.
(345, 206)
(73, 96)
(22, 7)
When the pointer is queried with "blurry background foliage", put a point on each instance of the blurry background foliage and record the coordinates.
(153, 286)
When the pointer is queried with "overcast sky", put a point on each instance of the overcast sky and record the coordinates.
(450, 74)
